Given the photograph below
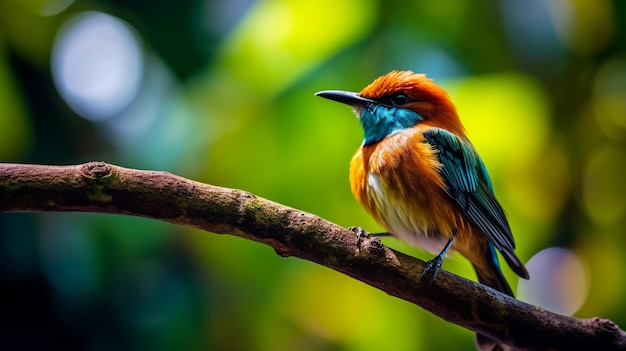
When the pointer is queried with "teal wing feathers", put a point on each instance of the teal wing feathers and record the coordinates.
(470, 187)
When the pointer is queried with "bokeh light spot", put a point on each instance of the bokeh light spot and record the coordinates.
(584, 26)
(608, 102)
(539, 190)
(558, 281)
(97, 65)
(53, 7)
(603, 185)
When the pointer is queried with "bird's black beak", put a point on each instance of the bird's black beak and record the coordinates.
(346, 97)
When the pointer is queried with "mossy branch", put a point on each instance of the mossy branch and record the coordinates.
(104, 188)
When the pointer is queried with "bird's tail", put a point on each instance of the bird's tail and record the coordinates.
(492, 276)
(494, 279)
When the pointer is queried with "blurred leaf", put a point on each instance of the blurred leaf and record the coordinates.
(15, 130)
(278, 40)
(27, 31)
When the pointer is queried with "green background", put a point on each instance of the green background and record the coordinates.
(227, 99)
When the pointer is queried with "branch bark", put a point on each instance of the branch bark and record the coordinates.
(104, 188)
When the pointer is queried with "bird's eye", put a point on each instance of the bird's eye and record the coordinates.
(399, 99)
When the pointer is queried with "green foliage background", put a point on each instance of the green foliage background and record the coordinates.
(540, 86)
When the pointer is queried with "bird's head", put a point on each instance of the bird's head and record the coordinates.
(399, 100)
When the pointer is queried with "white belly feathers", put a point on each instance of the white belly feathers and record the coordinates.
(397, 220)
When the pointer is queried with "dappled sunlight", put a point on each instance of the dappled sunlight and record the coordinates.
(279, 41)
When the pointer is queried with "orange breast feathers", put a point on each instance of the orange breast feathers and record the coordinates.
(397, 180)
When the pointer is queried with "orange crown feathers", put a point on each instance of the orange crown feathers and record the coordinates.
(428, 99)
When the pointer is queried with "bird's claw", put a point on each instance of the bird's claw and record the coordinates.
(360, 233)
(432, 268)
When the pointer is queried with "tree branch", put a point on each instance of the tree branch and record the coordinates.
(104, 188)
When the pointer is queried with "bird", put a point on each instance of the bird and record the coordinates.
(419, 176)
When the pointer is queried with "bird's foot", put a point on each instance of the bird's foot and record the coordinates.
(432, 268)
(360, 233)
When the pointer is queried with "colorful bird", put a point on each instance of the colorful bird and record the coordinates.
(420, 177)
